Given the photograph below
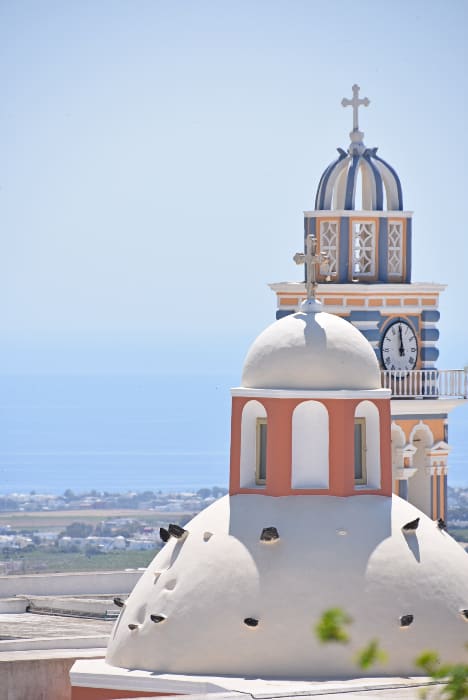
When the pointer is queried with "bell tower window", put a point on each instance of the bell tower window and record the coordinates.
(261, 442)
(395, 249)
(360, 472)
(328, 245)
(363, 249)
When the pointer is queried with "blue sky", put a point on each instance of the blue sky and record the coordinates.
(156, 157)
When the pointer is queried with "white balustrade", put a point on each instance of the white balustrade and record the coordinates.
(426, 383)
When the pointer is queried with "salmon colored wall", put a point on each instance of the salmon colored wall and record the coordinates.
(81, 693)
(279, 447)
(436, 426)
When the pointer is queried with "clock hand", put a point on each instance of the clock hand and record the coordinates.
(402, 349)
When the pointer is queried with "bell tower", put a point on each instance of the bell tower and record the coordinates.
(362, 235)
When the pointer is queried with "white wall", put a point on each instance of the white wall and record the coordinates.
(97, 582)
(419, 486)
(251, 411)
(310, 439)
(369, 411)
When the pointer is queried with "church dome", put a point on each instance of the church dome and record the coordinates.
(223, 602)
(311, 351)
(359, 168)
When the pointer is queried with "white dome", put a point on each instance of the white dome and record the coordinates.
(311, 351)
(346, 552)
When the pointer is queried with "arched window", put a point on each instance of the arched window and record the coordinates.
(253, 446)
(310, 439)
(367, 446)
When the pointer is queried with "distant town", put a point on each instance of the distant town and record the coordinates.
(46, 532)
(103, 530)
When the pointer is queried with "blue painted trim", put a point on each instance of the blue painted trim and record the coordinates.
(365, 315)
(409, 249)
(421, 416)
(427, 315)
(383, 250)
(431, 482)
(378, 184)
(322, 186)
(343, 266)
(403, 488)
(370, 333)
(397, 180)
(429, 334)
(445, 498)
(429, 354)
(351, 183)
(281, 313)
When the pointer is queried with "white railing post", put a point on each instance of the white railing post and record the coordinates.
(426, 383)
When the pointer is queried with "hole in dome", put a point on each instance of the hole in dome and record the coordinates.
(158, 618)
(207, 536)
(171, 584)
(464, 614)
(269, 534)
(251, 622)
(406, 620)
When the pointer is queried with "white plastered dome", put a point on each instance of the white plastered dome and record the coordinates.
(311, 351)
(345, 552)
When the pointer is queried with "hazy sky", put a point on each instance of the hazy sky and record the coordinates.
(156, 157)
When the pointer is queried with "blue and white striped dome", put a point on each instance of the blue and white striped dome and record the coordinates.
(359, 171)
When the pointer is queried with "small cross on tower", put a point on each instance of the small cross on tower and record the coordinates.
(312, 261)
(355, 102)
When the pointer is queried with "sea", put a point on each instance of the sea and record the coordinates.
(131, 432)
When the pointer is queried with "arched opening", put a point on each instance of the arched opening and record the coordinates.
(253, 446)
(310, 441)
(367, 446)
(419, 486)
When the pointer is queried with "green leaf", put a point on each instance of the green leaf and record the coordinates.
(331, 626)
(370, 655)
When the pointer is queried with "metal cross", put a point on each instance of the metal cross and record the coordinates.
(355, 103)
(312, 262)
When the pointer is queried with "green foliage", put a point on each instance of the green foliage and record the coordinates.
(331, 626)
(454, 677)
(370, 655)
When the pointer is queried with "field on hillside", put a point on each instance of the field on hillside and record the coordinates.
(59, 519)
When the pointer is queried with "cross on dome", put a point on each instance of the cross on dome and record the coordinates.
(357, 146)
(312, 261)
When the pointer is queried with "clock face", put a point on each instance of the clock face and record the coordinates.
(399, 347)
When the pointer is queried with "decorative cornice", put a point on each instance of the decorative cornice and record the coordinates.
(311, 394)
(356, 213)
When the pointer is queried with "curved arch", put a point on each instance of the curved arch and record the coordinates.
(392, 185)
(310, 446)
(424, 429)
(248, 449)
(369, 411)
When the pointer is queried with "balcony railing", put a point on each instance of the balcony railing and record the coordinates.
(427, 383)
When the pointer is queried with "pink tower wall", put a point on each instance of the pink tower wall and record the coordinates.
(341, 441)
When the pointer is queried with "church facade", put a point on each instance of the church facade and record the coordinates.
(363, 238)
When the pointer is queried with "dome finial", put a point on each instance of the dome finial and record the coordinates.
(312, 261)
(356, 146)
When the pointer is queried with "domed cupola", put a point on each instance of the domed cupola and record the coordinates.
(359, 170)
(358, 218)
